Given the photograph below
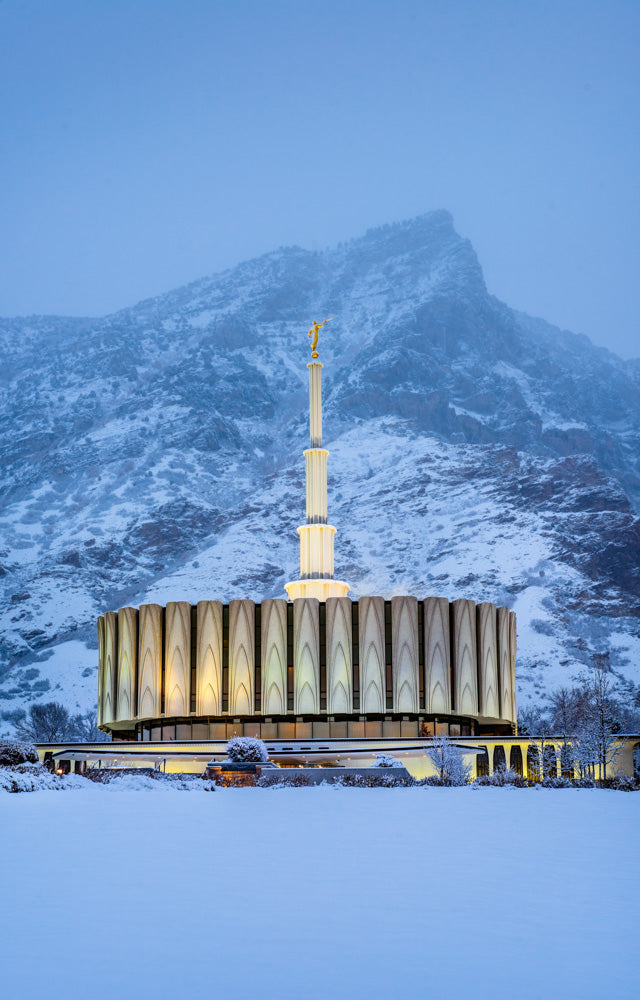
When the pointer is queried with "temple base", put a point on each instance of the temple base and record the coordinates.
(320, 589)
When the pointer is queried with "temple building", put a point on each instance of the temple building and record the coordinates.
(316, 666)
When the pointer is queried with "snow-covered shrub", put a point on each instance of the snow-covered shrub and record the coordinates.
(158, 780)
(289, 777)
(35, 778)
(435, 781)
(247, 750)
(585, 782)
(387, 760)
(448, 760)
(390, 780)
(502, 777)
(621, 783)
(285, 777)
(143, 778)
(557, 783)
(14, 752)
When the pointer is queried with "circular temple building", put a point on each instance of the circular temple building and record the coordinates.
(316, 666)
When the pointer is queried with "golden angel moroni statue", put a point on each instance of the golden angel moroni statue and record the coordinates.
(313, 332)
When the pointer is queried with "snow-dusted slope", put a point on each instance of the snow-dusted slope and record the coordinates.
(476, 452)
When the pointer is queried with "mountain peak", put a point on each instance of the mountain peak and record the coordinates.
(152, 455)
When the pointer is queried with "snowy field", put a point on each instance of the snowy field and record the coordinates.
(320, 893)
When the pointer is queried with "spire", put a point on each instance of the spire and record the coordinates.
(316, 536)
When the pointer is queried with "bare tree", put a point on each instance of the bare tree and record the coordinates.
(449, 762)
(602, 721)
(529, 720)
(46, 723)
(594, 744)
(85, 729)
(51, 723)
(566, 710)
(543, 745)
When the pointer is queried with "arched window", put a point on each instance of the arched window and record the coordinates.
(636, 761)
(550, 761)
(499, 759)
(566, 761)
(533, 764)
(515, 759)
(482, 764)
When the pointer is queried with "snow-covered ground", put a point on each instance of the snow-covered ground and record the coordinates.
(319, 893)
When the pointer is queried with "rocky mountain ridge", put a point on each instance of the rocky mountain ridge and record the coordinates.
(156, 454)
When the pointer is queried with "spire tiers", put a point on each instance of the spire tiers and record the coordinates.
(316, 536)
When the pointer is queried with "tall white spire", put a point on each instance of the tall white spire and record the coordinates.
(316, 536)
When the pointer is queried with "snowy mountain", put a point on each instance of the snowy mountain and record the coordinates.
(155, 454)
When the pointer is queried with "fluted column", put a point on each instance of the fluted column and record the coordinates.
(209, 658)
(437, 655)
(504, 665)
(274, 657)
(488, 690)
(371, 655)
(513, 642)
(339, 661)
(316, 470)
(101, 664)
(110, 666)
(149, 661)
(306, 656)
(404, 619)
(127, 651)
(464, 653)
(315, 403)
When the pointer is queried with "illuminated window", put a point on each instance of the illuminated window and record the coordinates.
(550, 762)
(566, 761)
(499, 759)
(482, 764)
(515, 759)
(533, 764)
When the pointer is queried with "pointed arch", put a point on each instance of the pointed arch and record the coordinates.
(504, 666)
(465, 657)
(150, 661)
(274, 656)
(486, 626)
(339, 665)
(241, 657)
(306, 655)
(101, 666)
(110, 665)
(437, 655)
(372, 655)
(177, 659)
(127, 650)
(404, 620)
(209, 658)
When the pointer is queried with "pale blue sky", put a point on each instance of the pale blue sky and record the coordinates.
(144, 143)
